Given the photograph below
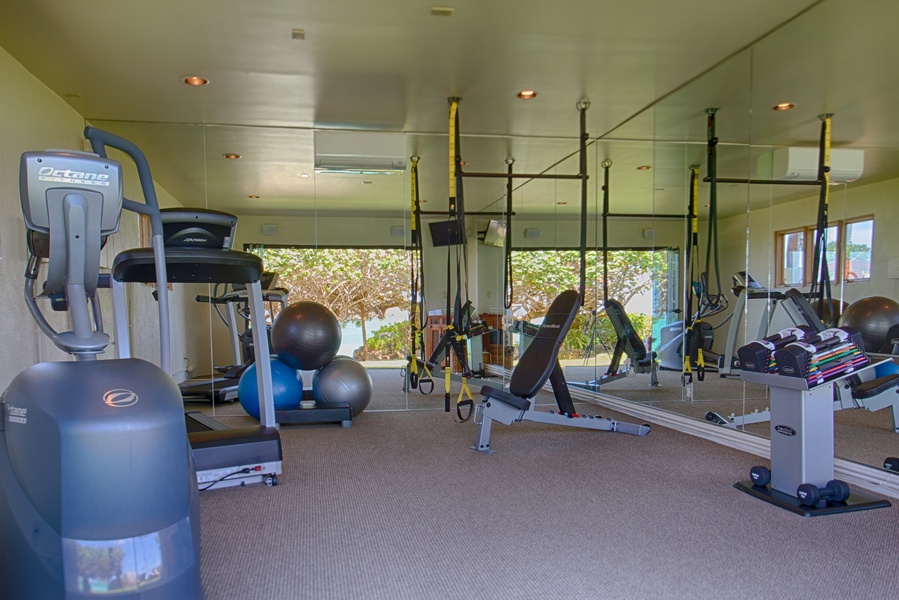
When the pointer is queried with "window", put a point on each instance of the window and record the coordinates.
(859, 242)
(831, 244)
(791, 260)
(848, 252)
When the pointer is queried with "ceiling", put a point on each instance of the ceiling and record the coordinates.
(649, 69)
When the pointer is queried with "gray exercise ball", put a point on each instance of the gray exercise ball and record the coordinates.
(306, 335)
(343, 380)
(873, 317)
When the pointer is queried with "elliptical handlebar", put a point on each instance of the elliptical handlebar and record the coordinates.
(99, 140)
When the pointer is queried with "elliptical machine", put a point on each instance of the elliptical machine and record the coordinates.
(97, 486)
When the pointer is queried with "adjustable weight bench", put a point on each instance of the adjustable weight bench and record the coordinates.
(629, 344)
(539, 363)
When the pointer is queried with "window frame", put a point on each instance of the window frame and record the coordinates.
(780, 253)
(808, 249)
(845, 269)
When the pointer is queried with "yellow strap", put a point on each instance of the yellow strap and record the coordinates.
(685, 351)
(413, 188)
(465, 391)
(695, 216)
(827, 120)
(454, 107)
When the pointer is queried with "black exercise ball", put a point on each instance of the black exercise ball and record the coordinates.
(343, 380)
(306, 335)
(873, 317)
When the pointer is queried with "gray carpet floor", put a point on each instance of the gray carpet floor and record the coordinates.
(397, 506)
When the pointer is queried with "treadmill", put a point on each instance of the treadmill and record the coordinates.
(197, 251)
(221, 386)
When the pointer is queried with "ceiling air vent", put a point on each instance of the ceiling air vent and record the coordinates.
(360, 152)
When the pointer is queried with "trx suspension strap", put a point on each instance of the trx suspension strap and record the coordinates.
(582, 107)
(693, 335)
(820, 288)
(711, 300)
(692, 264)
(606, 166)
(455, 331)
(507, 245)
(417, 293)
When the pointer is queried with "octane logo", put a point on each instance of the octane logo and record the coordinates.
(68, 174)
(120, 398)
(16, 414)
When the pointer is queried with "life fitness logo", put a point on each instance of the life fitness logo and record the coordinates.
(120, 398)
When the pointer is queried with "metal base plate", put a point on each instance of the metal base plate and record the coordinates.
(330, 413)
(856, 501)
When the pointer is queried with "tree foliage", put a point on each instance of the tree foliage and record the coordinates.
(388, 342)
(361, 284)
(540, 276)
(102, 563)
(356, 284)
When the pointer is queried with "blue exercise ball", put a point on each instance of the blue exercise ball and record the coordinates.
(343, 380)
(306, 335)
(287, 388)
(886, 367)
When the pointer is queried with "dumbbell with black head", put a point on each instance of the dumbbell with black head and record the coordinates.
(760, 476)
(835, 491)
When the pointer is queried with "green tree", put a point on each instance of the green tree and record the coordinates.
(539, 276)
(99, 563)
(390, 341)
(356, 284)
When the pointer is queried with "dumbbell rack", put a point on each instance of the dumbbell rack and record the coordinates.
(801, 445)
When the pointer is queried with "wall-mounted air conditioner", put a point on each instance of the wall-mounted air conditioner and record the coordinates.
(801, 164)
(360, 152)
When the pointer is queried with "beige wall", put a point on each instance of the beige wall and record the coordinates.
(31, 118)
(752, 236)
(34, 118)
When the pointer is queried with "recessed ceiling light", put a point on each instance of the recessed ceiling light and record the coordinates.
(253, 197)
(304, 175)
(195, 81)
(784, 106)
(644, 167)
(231, 156)
(442, 11)
(527, 94)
